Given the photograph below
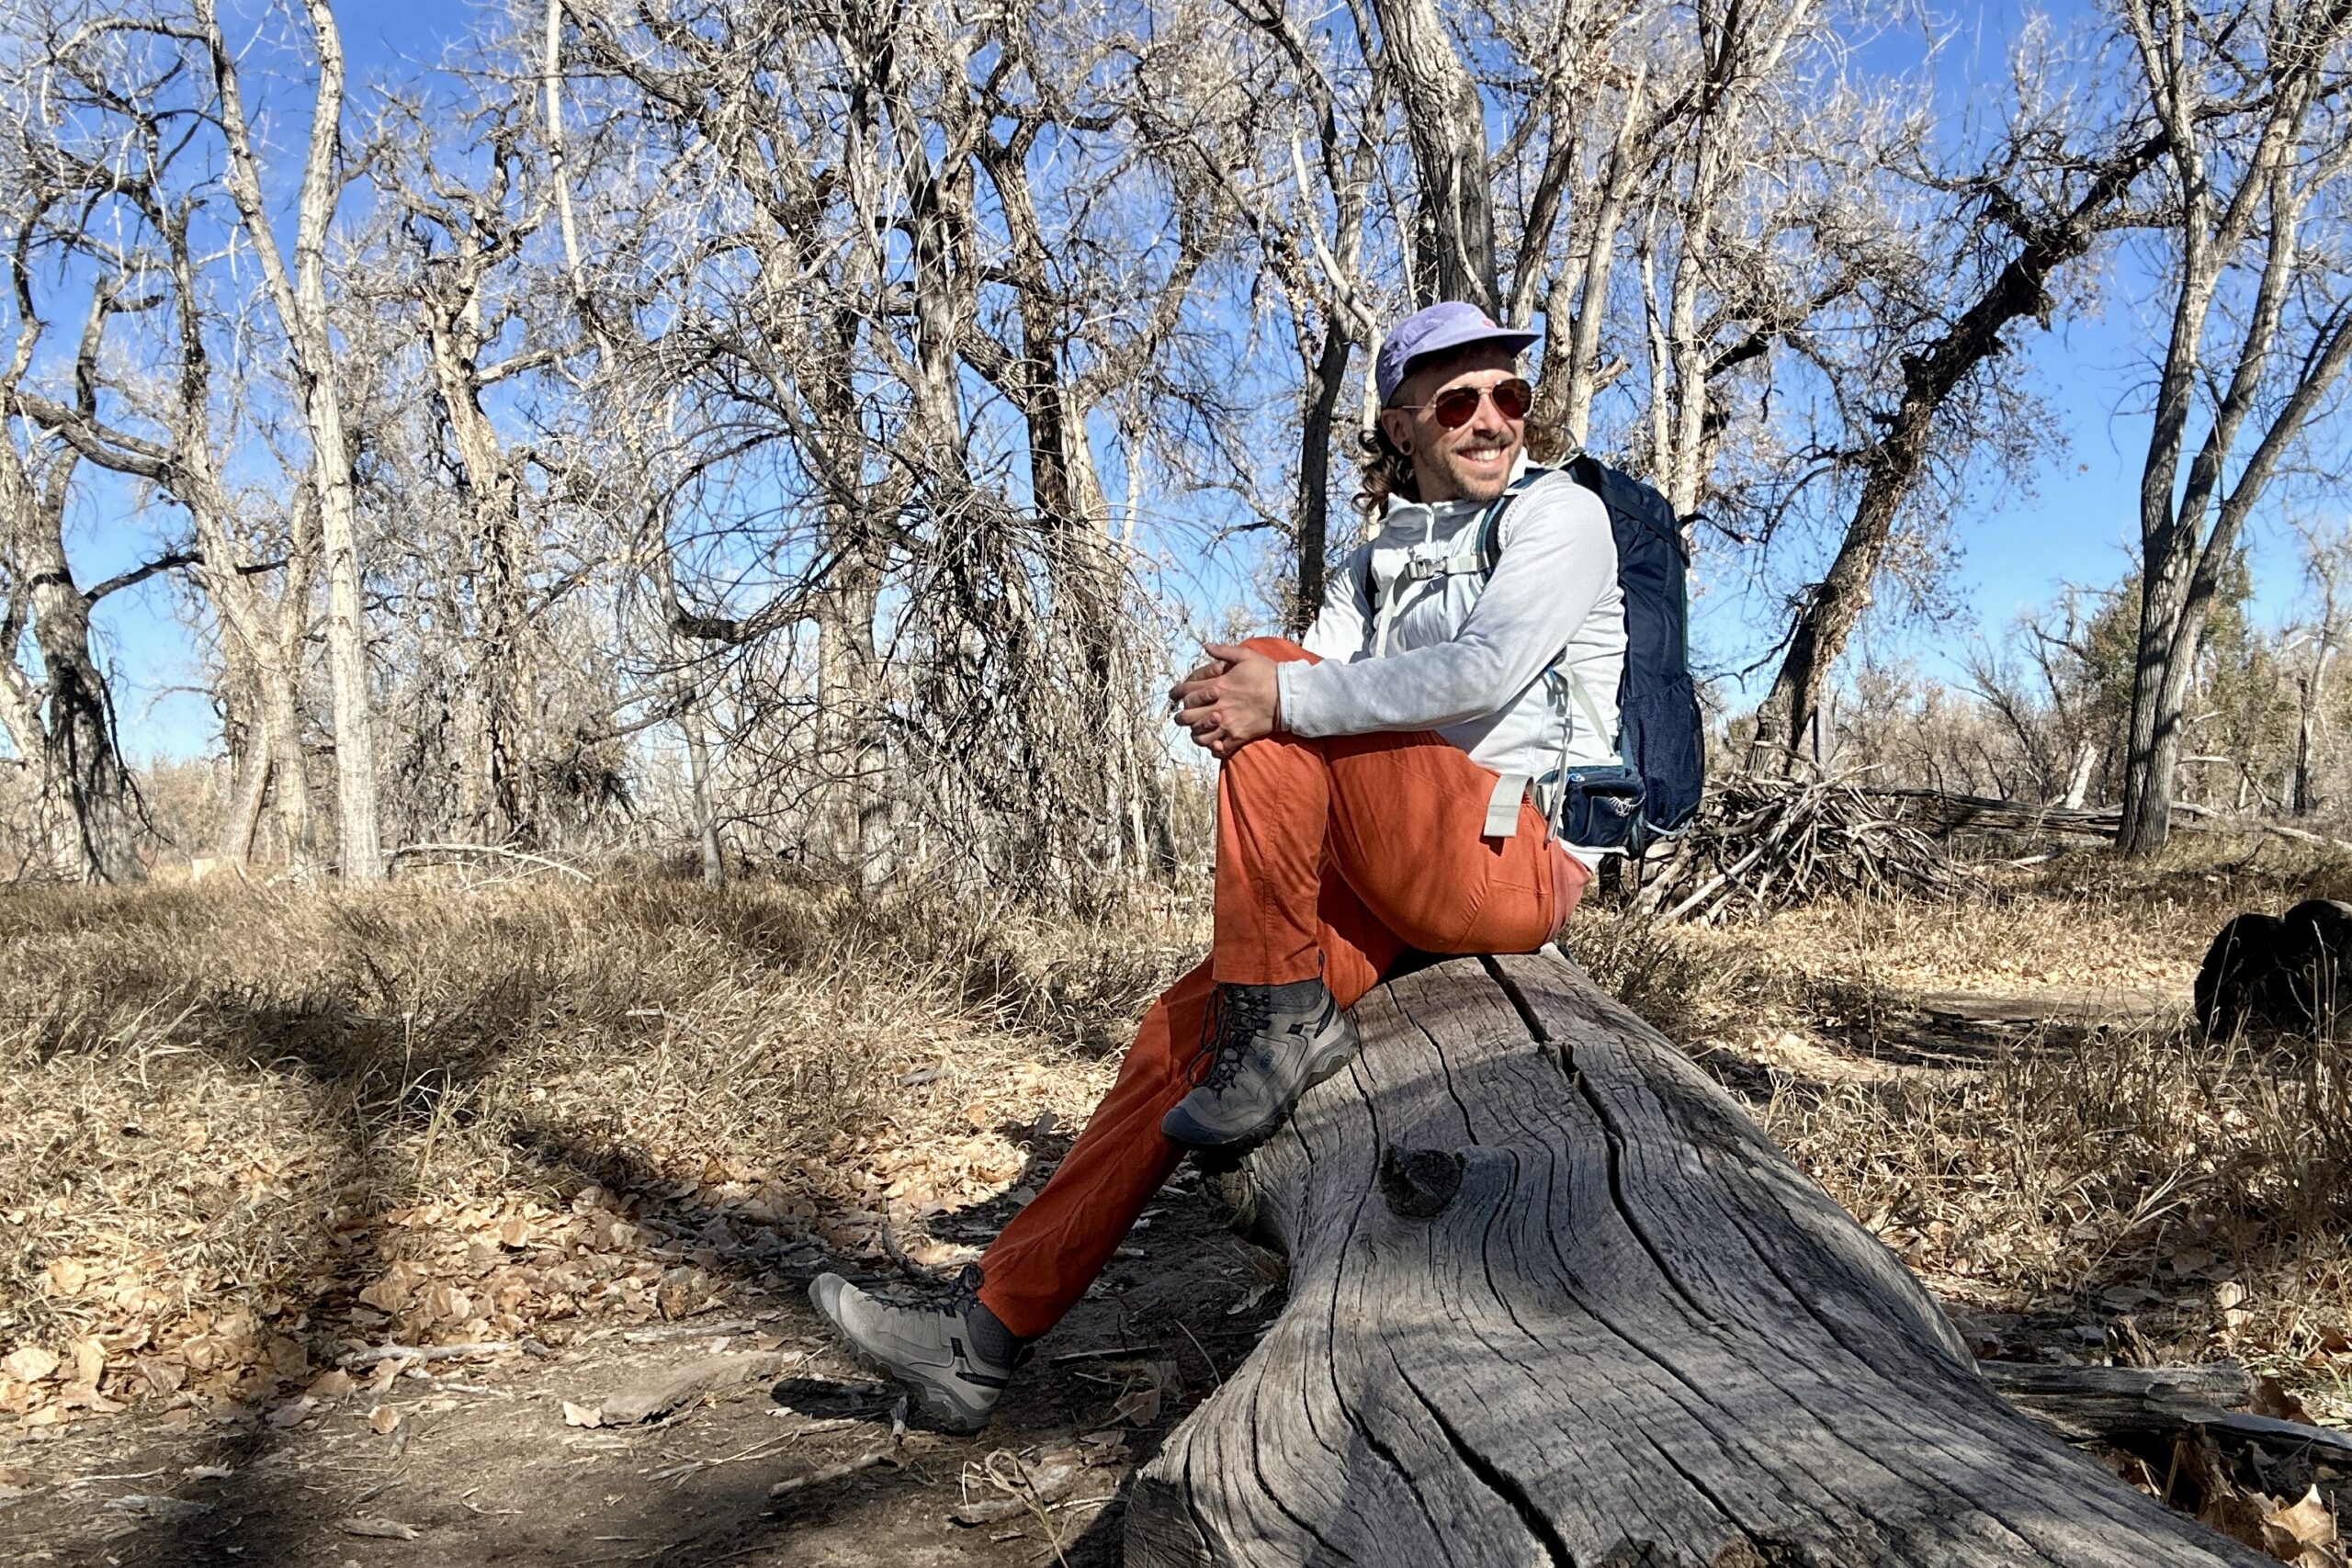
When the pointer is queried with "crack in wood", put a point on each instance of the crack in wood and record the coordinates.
(1495, 1480)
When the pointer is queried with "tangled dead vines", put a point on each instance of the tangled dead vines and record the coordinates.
(1763, 843)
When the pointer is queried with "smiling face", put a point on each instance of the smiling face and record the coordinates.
(1472, 461)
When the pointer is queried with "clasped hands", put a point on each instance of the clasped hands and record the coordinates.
(1228, 701)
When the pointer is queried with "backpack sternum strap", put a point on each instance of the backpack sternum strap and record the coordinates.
(1471, 552)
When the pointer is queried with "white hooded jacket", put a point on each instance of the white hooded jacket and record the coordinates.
(1466, 656)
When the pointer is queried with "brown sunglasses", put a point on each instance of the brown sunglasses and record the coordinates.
(1456, 406)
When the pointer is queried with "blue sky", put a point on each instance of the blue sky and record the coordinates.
(2018, 546)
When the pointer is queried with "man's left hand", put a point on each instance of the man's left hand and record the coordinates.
(1230, 703)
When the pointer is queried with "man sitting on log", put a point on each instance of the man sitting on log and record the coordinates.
(1372, 798)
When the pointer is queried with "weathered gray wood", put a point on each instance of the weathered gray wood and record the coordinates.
(2092, 1404)
(1631, 1333)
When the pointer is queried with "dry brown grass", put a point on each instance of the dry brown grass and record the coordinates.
(238, 1125)
(242, 1129)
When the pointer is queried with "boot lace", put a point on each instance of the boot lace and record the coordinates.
(1237, 1014)
(966, 1293)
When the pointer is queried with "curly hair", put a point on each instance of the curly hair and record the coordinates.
(1382, 471)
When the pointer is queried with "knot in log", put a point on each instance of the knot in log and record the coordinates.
(1419, 1183)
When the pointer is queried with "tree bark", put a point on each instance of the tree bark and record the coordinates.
(249, 763)
(2078, 780)
(300, 299)
(1554, 1299)
(1445, 121)
(83, 758)
(490, 493)
(1325, 384)
(68, 718)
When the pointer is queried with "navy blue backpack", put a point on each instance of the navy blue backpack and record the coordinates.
(1655, 792)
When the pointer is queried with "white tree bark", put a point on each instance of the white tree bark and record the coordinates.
(300, 295)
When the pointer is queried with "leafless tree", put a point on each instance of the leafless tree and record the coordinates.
(60, 715)
(298, 292)
(60, 720)
(2038, 206)
(2258, 144)
(888, 391)
(107, 131)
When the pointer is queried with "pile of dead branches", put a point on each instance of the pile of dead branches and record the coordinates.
(1763, 844)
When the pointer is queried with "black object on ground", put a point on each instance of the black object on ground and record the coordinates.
(2277, 971)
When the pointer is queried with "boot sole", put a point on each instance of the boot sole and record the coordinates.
(935, 1407)
(1233, 1148)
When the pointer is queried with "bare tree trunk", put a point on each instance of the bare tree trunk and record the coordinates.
(1686, 463)
(2078, 782)
(714, 860)
(249, 763)
(1324, 386)
(1446, 123)
(856, 812)
(289, 770)
(2311, 691)
(19, 699)
(506, 698)
(63, 727)
(491, 494)
(82, 759)
(300, 299)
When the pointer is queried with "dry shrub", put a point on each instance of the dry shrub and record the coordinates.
(2202, 1187)
(237, 1123)
(241, 1128)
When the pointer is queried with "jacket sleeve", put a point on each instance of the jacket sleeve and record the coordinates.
(1558, 559)
(1339, 630)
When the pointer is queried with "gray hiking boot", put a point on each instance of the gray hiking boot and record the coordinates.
(952, 1357)
(1273, 1044)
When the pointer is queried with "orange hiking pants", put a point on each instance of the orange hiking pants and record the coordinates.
(1332, 857)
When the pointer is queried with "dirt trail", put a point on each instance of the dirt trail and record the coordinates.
(483, 1468)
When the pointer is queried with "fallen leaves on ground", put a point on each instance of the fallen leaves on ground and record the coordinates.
(2302, 1531)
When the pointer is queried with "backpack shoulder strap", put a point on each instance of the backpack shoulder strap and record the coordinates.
(1489, 531)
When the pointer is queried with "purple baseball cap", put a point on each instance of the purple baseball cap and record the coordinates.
(1439, 329)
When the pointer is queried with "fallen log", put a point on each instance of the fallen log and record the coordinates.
(1555, 1300)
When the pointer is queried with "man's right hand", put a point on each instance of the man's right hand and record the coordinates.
(1208, 671)
(1230, 702)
